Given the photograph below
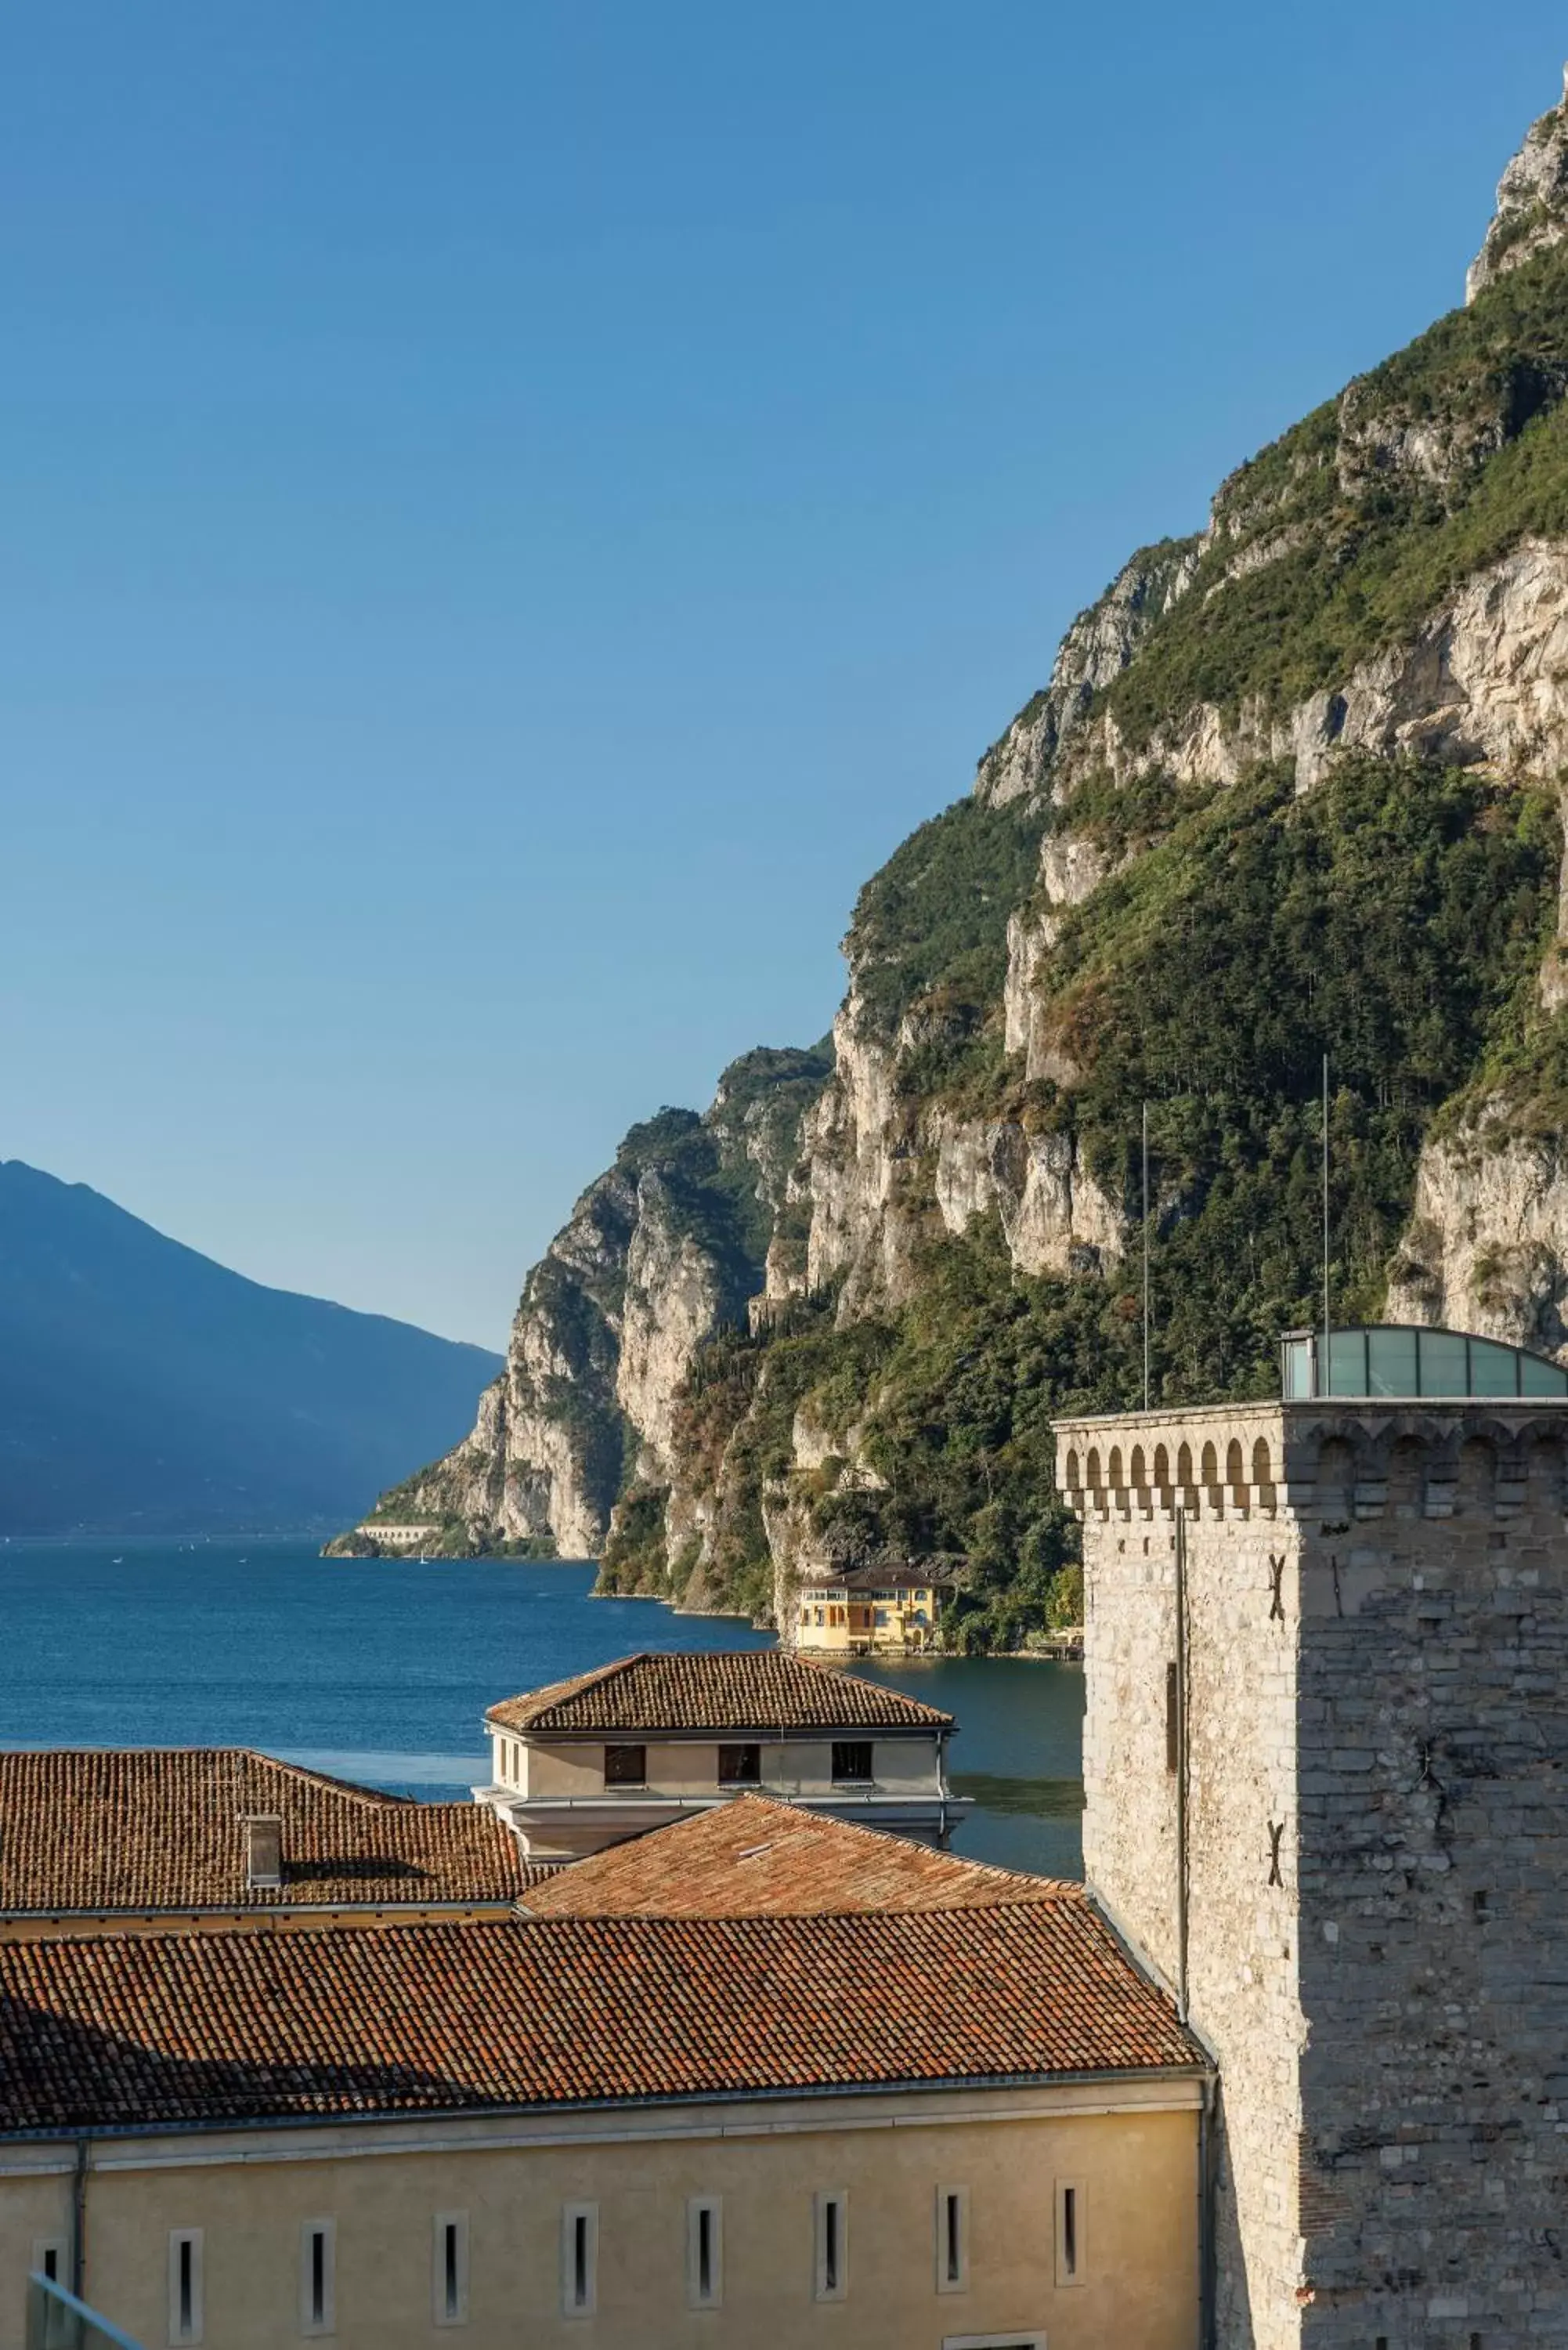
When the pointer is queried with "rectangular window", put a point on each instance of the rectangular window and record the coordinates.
(952, 2239)
(579, 2259)
(851, 1762)
(449, 2268)
(740, 1766)
(1069, 2233)
(704, 2252)
(318, 2276)
(1172, 1721)
(626, 1766)
(832, 2245)
(185, 2285)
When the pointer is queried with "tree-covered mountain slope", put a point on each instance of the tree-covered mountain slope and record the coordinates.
(1293, 787)
(145, 1389)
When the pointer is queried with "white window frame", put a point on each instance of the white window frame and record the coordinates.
(588, 2306)
(444, 2311)
(696, 2205)
(181, 2337)
(946, 2282)
(827, 2198)
(1075, 2272)
(311, 2325)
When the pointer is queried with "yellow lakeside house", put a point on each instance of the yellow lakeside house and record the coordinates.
(870, 1611)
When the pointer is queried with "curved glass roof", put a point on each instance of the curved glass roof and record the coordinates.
(1407, 1359)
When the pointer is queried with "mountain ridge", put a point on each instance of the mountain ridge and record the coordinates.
(1293, 785)
(145, 1387)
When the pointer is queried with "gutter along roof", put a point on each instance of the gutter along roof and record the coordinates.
(725, 1691)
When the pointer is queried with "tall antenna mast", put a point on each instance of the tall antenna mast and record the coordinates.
(1323, 1386)
(1145, 1256)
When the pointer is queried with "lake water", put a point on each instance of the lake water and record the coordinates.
(380, 1670)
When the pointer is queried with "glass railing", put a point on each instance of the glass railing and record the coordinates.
(1406, 1360)
(56, 2319)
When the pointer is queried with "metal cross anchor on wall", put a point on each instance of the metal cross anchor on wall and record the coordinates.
(1275, 1836)
(1276, 1593)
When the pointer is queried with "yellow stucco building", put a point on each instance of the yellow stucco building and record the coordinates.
(869, 1611)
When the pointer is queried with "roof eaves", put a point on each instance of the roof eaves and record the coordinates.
(1199, 2067)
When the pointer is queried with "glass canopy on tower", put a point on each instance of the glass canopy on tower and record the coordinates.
(1408, 1361)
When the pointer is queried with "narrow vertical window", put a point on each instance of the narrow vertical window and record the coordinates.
(318, 2276)
(185, 2285)
(449, 2268)
(704, 2252)
(579, 2259)
(1069, 2233)
(49, 2260)
(1172, 1721)
(952, 2239)
(832, 2245)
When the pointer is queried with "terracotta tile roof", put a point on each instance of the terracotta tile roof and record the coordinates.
(717, 1689)
(876, 1578)
(158, 1829)
(126, 2031)
(753, 1858)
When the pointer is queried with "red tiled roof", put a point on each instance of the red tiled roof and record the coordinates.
(753, 1858)
(717, 1689)
(159, 1828)
(126, 2031)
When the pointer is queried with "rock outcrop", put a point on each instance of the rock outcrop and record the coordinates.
(666, 1248)
(1532, 202)
(1487, 1246)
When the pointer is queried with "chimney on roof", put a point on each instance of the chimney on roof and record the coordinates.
(263, 1850)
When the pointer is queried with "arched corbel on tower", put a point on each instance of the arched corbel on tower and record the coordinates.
(1476, 1494)
(1335, 1481)
(1263, 1475)
(1236, 1493)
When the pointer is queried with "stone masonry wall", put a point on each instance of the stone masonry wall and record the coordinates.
(1377, 1843)
(1240, 1695)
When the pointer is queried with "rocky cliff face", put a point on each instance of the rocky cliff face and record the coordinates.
(661, 1251)
(1292, 784)
(1532, 202)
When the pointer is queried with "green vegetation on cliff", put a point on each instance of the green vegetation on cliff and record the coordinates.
(936, 914)
(1393, 918)
(1436, 463)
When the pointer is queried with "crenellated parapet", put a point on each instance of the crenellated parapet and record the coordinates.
(1331, 1461)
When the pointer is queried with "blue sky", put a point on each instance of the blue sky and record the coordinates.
(512, 512)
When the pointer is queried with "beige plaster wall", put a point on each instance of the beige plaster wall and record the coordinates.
(1136, 2174)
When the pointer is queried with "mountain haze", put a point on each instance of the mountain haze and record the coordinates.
(144, 1388)
(1293, 785)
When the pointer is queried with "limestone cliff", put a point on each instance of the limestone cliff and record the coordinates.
(1532, 202)
(1293, 786)
(663, 1250)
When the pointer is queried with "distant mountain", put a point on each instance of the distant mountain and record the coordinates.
(144, 1388)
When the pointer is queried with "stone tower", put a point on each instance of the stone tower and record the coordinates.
(1327, 1689)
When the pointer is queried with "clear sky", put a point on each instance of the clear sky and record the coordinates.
(513, 510)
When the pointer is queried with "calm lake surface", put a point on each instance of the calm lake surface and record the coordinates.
(380, 1670)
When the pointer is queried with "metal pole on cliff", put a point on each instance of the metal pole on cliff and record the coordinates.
(1145, 1256)
(1322, 1380)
